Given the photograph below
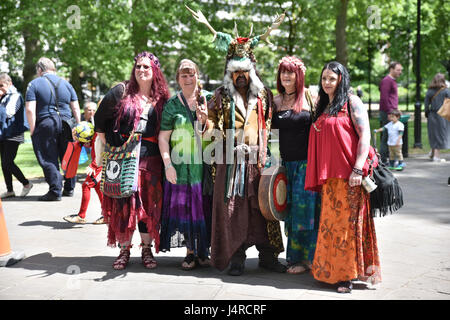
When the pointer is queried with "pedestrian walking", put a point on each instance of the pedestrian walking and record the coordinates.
(438, 127)
(12, 127)
(50, 104)
(388, 102)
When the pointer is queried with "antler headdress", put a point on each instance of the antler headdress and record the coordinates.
(238, 48)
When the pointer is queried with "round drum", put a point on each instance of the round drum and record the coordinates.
(272, 193)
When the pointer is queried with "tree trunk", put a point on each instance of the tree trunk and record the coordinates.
(139, 28)
(341, 39)
(30, 33)
(75, 81)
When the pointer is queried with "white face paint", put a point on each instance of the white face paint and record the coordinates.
(113, 170)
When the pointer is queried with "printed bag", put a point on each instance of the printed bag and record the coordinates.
(120, 170)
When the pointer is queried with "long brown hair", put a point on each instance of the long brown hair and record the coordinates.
(438, 82)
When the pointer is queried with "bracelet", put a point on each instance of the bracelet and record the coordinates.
(358, 171)
(168, 166)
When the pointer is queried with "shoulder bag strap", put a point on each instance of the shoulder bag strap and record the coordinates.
(189, 112)
(436, 94)
(54, 90)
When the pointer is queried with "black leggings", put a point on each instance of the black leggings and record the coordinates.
(8, 152)
(142, 227)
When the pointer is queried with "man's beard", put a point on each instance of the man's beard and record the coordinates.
(241, 82)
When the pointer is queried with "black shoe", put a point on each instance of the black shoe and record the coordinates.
(236, 269)
(49, 196)
(274, 265)
(67, 193)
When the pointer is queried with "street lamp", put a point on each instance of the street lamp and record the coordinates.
(417, 106)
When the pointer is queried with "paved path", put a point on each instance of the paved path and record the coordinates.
(66, 261)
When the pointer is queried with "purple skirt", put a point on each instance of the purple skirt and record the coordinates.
(185, 218)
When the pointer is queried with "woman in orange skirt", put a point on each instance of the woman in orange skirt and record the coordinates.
(339, 143)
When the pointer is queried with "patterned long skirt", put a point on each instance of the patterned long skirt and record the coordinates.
(346, 244)
(302, 221)
(123, 214)
(186, 218)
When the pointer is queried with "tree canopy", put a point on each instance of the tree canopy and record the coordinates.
(94, 42)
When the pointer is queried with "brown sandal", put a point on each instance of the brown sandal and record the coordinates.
(147, 257)
(122, 260)
(345, 287)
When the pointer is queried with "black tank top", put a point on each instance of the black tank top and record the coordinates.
(293, 132)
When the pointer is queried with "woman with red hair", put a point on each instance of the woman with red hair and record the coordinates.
(125, 108)
(292, 117)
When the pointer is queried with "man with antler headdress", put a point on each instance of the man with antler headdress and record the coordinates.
(241, 110)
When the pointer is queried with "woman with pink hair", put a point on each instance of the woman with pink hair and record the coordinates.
(292, 117)
(125, 108)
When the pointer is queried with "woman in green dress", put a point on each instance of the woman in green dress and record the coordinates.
(186, 213)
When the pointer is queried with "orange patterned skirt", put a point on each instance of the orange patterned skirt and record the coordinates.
(346, 246)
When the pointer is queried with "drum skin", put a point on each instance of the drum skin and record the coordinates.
(272, 193)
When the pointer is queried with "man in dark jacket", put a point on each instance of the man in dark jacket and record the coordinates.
(50, 103)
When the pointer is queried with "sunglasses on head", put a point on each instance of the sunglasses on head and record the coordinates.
(138, 66)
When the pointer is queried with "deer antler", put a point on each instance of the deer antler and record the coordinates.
(251, 30)
(201, 18)
(235, 30)
(275, 25)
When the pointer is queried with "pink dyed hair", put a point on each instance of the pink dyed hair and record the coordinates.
(299, 83)
(129, 107)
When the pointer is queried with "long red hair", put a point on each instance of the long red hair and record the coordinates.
(299, 83)
(129, 107)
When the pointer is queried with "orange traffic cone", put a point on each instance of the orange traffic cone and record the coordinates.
(7, 257)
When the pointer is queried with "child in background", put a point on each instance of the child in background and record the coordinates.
(93, 172)
(395, 129)
(92, 180)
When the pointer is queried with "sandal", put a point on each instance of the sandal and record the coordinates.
(297, 268)
(122, 260)
(147, 257)
(189, 262)
(345, 287)
(203, 261)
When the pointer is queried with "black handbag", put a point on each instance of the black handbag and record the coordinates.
(388, 196)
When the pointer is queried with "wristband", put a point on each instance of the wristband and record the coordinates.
(168, 166)
(358, 171)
